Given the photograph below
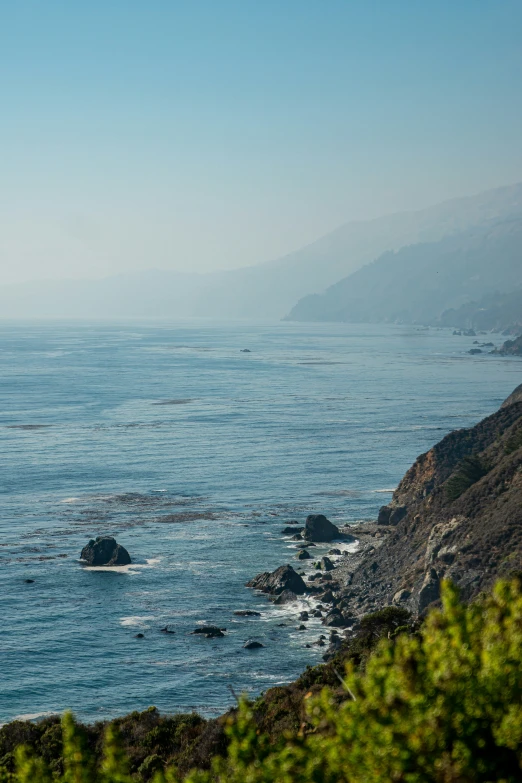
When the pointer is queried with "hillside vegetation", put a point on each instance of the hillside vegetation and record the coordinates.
(442, 704)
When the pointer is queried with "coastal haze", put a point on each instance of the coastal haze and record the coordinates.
(272, 290)
(255, 259)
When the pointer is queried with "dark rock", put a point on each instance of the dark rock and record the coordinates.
(166, 630)
(397, 514)
(286, 597)
(29, 581)
(297, 537)
(335, 552)
(474, 351)
(319, 528)
(317, 613)
(139, 636)
(252, 645)
(391, 515)
(320, 643)
(209, 631)
(301, 628)
(304, 616)
(327, 597)
(335, 619)
(303, 555)
(291, 530)
(384, 515)
(247, 613)
(308, 645)
(245, 350)
(283, 578)
(104, 551)
(326, 564)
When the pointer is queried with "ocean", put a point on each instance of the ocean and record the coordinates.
(194, 454)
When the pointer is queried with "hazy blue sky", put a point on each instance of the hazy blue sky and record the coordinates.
(208, 133)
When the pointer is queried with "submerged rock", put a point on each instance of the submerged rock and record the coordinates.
(209, 631)
(282, 579)
(291, 530)
(252, 645)
(319, 528)
(247, 613)
(105, 551)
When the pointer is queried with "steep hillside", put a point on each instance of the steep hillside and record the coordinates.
(420, 282)
(456, 514)
(267, 290)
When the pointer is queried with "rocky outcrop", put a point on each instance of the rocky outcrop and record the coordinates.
(319, 528)
(281, 580)
(472, 537)
(105, 551)
(510, 348)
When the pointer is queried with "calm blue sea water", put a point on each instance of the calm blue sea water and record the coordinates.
(194, 455)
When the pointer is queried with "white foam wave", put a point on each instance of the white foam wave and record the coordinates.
(136, 620)
(32, 716)
(384, 491)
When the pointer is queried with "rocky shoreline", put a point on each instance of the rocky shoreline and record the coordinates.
(322, 578)
(455, 515)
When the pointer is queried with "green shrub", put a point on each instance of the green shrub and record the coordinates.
(442, 705)
(470, 470)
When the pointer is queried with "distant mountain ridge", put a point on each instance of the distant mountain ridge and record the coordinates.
(421, 282)
(268, 290)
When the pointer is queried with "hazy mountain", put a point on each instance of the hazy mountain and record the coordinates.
(267, 290)
(419, 282)
(496, 311)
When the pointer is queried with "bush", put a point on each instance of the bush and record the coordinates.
(443, 705)
(470, 470)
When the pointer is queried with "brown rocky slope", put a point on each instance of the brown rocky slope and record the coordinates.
(456, 514)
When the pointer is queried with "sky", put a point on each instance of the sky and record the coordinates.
(216, 134)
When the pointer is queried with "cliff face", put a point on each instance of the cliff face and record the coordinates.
(456, 514)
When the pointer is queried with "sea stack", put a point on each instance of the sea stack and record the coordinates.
(319, 528)
(105, 551)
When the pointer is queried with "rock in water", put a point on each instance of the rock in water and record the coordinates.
(105, 551)
(247, 613)
(283, 578)
(253, 645)
(327, 564)
(319, 528)
(210, 631)
(286, 597)
(303, 555)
